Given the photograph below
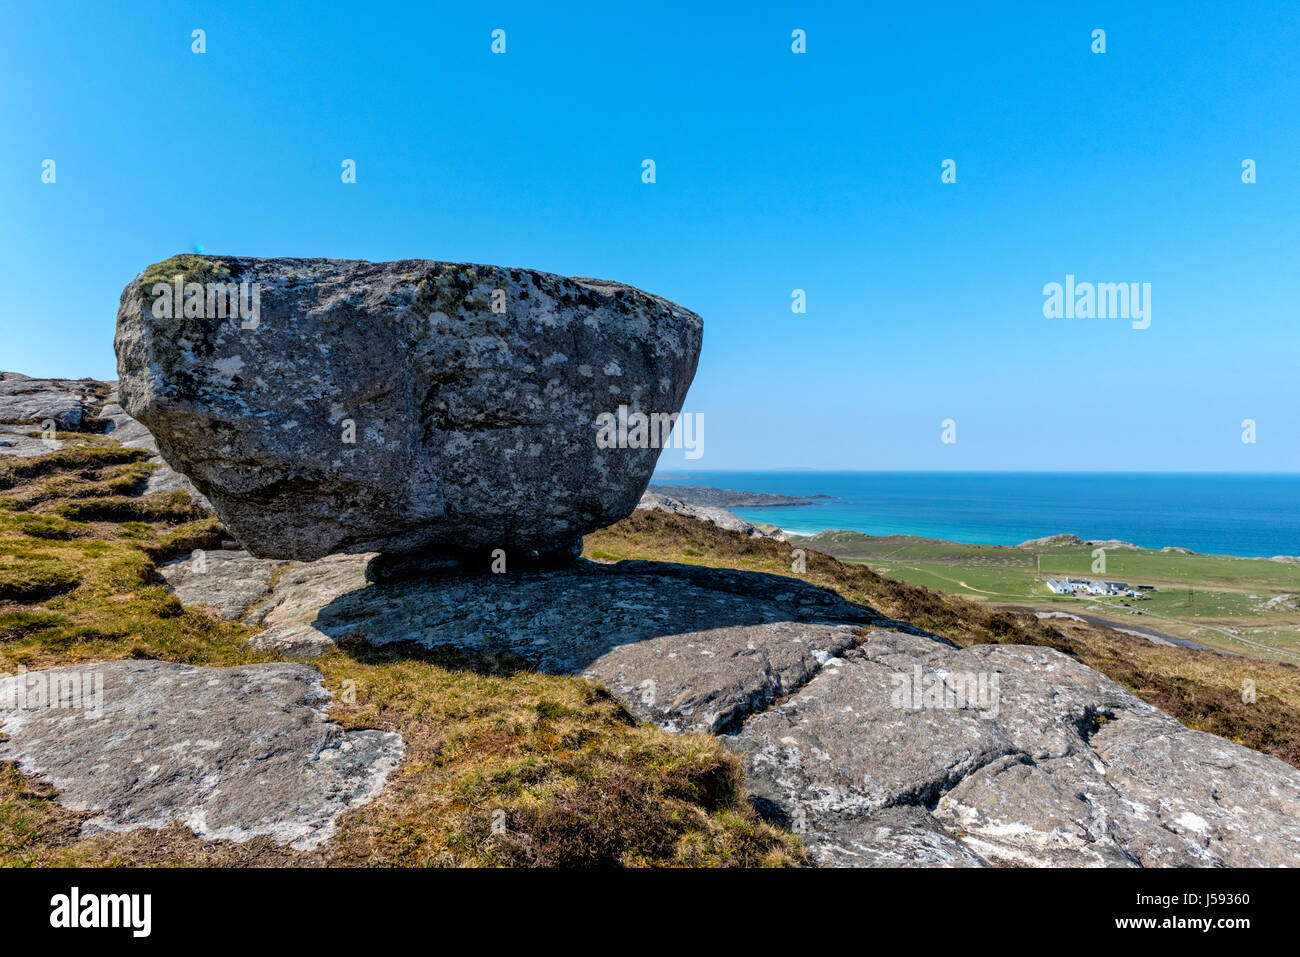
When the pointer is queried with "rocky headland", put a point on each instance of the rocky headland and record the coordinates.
(727, 498)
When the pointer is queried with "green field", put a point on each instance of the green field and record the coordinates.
(1243, 605)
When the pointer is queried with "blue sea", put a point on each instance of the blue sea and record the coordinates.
(1220, 514)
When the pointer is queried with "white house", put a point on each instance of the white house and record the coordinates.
(1107, 588)
(1060, 587)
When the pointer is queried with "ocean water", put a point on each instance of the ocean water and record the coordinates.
(1221, 514)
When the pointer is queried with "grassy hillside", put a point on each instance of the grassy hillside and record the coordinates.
(579, 780)
(1247, 606)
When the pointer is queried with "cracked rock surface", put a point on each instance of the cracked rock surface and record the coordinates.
(851, 726)
(70, 403)
(681, 647)
(405, 406)
(1062, 767)
(232, 753)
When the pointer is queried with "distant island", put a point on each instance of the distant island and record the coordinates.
(726, 498)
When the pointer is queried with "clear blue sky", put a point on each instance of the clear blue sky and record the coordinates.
(775, 171)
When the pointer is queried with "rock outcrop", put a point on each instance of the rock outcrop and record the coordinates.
(233, 753)
(229, 582)
(881, 744)
(405, 406)
(32, 409)
(720, 517)
(1058, 766)
(22, 441)
(68, 403)
(122, 428)
(81, 405)
(724, 643)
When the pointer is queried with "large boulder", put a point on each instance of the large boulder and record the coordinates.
(401, 407)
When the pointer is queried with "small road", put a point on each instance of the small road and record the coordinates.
(1226, 634)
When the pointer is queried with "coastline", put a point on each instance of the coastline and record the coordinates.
(1046, 541)
(1243, 516)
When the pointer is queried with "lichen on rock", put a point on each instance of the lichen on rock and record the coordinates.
(406, 406)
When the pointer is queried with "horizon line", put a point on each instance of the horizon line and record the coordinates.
(1002, 471)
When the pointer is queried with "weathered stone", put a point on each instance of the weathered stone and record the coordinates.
(232, 753)
(1227, 805)
(472, 428)
(68, 403)
(23, 441)
(898, 836)
(229, 582)
(680, 649)
(840, 747)
(714, 515)
(1059, 767)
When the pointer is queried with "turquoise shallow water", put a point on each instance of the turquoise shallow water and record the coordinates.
(1222, 514)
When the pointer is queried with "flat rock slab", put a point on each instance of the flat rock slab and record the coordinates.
(232, 753)
(22, 441)
(687, 648)
(230, 582)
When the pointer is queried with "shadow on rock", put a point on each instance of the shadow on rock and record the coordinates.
(688, 647)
